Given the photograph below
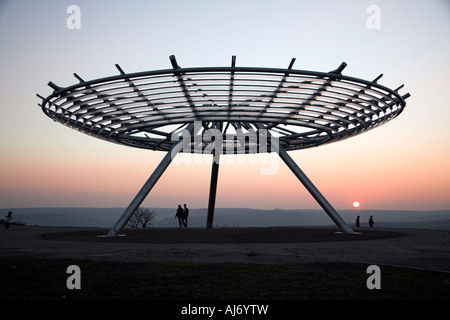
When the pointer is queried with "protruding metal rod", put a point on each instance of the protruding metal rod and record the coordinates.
(120, 69)
(377, 78)
(291, 64)
(212, 194)
(230, 93)
(340, 68)
(173, 60)
(54, 86)
(343, 226)
(183, 86)
(277, 90)
(146, 188)
(406, 96)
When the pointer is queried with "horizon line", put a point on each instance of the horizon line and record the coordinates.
(205, 208)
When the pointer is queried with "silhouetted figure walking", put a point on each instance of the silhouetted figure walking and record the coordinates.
(371, 222)
(357, 221)
(185, 216)
(179, 215)
(8, 220)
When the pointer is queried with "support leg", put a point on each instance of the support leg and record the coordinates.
(212, 194)
(343, 226)
(139, 198)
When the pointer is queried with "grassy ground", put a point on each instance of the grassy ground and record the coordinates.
(26, 278)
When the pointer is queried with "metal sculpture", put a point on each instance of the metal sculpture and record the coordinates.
(153, 109)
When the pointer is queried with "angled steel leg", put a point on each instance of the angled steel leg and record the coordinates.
(139, 198)
(212, 194)
(345, 228)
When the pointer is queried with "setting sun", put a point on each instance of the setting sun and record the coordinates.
(356, 204)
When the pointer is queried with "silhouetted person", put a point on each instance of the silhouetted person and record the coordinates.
(179, 215)
(371, 222)
(357, 221)
(185, 215)
(8, 219)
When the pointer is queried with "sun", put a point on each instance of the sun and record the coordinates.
(355, 204)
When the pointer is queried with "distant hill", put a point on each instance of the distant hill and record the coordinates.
(232, 217)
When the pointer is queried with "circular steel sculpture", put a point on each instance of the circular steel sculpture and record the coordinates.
(301, 108)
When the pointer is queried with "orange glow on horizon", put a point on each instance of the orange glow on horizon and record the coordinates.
(102, 181)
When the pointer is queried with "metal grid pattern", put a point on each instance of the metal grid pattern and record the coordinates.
(301, 108)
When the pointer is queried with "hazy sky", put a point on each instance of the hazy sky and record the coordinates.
(404, 164)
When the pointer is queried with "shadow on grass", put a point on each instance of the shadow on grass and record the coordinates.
(224, 235)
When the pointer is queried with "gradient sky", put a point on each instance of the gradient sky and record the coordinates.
(404, 164)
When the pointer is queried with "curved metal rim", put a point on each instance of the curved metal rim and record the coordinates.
(302, 108)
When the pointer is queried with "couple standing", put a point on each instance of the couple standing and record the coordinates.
(370, 221)
(182, 215)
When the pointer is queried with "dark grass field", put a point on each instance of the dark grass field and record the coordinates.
(30, 278)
